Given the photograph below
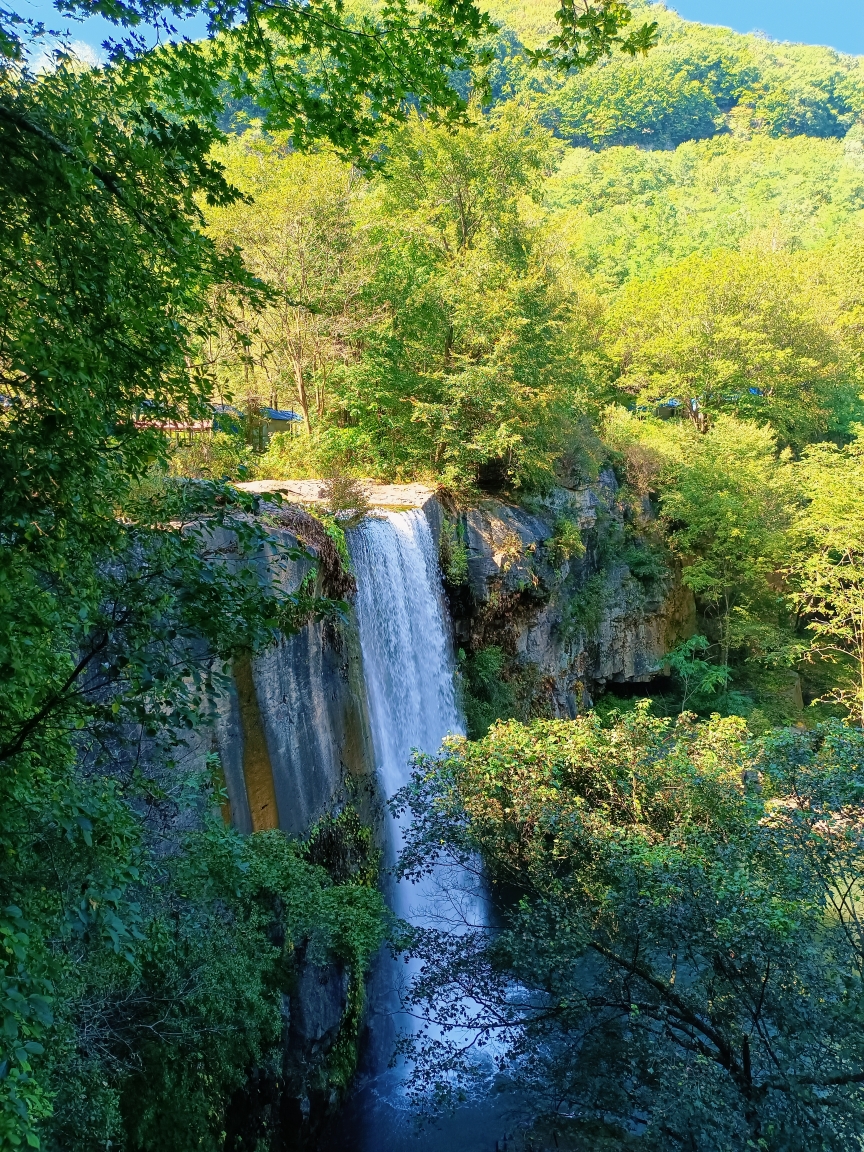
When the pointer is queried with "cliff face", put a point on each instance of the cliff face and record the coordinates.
(577, 612)
(293, 733)
(570, 587)
(293, 739)
(293, 736)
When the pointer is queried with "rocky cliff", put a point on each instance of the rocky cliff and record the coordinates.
(570, 591)
(573, 588)
(293, 733)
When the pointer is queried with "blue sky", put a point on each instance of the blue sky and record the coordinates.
(93, 31)
(838, 23)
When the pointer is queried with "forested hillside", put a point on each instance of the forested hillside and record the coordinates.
(696, 82)
(501, 256)
(653, 265)
(505, 229)
(498, 302)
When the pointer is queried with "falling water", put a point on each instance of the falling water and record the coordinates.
(409, 673)
(407, 659)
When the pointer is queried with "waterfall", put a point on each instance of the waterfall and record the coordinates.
(408, 669)
(409, 673)
(407, 658)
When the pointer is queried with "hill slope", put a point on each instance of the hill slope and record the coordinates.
(629, 211)
(700, 81)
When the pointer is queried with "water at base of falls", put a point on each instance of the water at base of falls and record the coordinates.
(409, 673)
(372, 1122)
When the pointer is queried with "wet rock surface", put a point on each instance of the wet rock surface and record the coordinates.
(317, 1004)
(293, 732)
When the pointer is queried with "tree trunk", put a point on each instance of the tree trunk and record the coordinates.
(321, 388)
(301, 393)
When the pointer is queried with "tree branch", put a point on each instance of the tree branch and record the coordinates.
(107, 179)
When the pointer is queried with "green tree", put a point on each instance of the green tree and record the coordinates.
(474, 343)
(726, 500)
(324, 70)
(630, 211)
(674, 956)
(698, 80)
(728, 515)
(735, 333)
(123, 598)
(296, 233)
(699, 678)
(637, 103)
(828, 569)
(318, 70)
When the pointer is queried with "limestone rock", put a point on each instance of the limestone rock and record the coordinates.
(523, 597)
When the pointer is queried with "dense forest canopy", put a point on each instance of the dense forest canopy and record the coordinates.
(699, 81)
(611, 251)
(490, 252)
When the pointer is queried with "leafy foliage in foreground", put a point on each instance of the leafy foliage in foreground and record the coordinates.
(221, 925)
(676, 954)
(123, 601)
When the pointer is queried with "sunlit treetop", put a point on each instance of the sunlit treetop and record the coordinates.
(326, 70)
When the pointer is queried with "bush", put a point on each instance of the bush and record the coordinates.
(219, 456)
(453, 552)
(566, 542)
(486, 695)
(673, 959)
(344, 498)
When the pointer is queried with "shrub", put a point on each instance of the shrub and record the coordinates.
(453, 552)
(219, 456)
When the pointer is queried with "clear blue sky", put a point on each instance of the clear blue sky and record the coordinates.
(838, 23)
(94, 30)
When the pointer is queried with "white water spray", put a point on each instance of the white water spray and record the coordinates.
(407, 658)
(409, 672)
